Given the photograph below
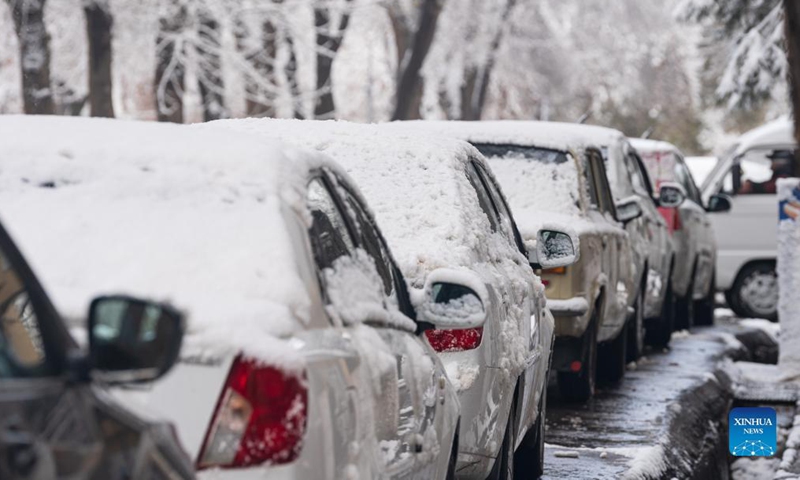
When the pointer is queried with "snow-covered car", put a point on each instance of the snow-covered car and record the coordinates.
(58, 420)
(556, 180)
(694, 275)
(302, 357)
(447, 221)
(746, 236)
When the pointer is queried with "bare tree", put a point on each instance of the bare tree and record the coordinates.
(409, 81)
(209, 62)
(170, 69)
(290, 70)
(329, 36)
(99, 23)
(34, 50)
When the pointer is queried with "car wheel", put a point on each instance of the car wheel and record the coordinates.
(636, 330)
(684, 318)
(503, 468)
(612, 357)
(755, 292)
(529, 457)
(704, 309)
(451, 465)
(579, 386)
(660, 330)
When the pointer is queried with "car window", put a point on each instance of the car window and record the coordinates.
(507, 221)
(757, 172)
(330, 238)
(637, 177)
(484, 200)
(684, 177)
(21, 348)
(371, 241)
(591, 185)
(606, 201)
(645, 175)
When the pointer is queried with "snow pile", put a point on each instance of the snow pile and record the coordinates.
(163, 212)
(462, 375)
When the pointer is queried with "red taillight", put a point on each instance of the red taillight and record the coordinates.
(260, 417)
(677, 225)
(673, 218)
(455, 340)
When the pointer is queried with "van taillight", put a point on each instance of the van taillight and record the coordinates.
(455, 340)
(260, 417)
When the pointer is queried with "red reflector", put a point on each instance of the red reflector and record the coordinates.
(455, 340)
(576, 366)
(260, 417)
(546, 283)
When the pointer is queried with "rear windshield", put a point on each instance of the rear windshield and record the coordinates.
(534, 179)
(542, 155)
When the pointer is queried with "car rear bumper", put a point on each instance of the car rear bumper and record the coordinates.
(571, 316)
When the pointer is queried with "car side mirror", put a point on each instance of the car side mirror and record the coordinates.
(554, 249)
(719, 203)
(453, 300)
(132, 340)
(671, 195)
(629, 209)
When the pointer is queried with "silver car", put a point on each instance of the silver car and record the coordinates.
(694, 275)
(303, 357)
(446, 219)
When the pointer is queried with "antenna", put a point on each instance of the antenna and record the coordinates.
(648, 132)
(582, 119)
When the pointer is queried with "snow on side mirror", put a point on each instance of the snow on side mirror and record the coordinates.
(671, 195)
(454, 299)
(629, 209)
(554, 249)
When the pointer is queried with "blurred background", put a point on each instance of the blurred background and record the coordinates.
(692, 72)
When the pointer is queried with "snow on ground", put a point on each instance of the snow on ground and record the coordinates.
(158, 211)
(760, 468)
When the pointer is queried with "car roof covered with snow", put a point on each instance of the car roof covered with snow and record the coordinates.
(415, 184)
(776, 133)
(647, 146)
(553, 135)
(169, 212)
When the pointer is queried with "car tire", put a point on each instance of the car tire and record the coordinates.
(529, 457)
(580, 386)
(704, 309)
(503, 468)
(754, 292)
(636, 330)
(453, 462)
(684, 315)
(659, 332)
(612, 357)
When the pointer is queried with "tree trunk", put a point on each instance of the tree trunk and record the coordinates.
(98, 28)
(328, 43)
(476, 84)
(290, 70)
(34, 52)
(792, 24)
(259, 56)
(209, 61)
(409, 85)
(170, 68)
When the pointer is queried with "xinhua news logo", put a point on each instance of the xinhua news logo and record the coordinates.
(753, 432)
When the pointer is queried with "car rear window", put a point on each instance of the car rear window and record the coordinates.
(542, 155)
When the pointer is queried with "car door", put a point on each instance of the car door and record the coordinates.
(538, 328)
(409, 444)
(698, 225)
(615, 243)
(47, 429)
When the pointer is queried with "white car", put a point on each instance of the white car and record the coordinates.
(694, 275)
(746, 235)
(302, 358)
(555, 177)
(446, 220)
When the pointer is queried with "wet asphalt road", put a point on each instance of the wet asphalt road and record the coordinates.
(624, 430)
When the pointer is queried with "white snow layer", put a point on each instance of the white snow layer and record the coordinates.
(164, 212)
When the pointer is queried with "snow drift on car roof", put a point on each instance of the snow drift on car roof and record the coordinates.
(159, 211)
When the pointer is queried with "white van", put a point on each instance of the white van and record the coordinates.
(746, 235)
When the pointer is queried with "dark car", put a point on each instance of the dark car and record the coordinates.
(55, 419)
